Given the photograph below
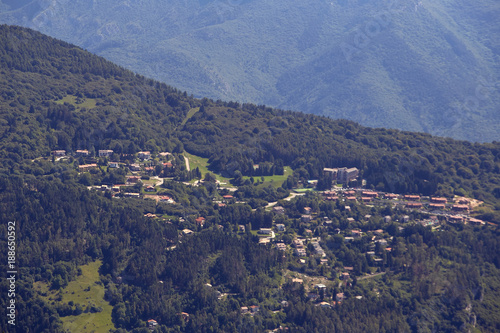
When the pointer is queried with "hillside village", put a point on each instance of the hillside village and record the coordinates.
(357, 218)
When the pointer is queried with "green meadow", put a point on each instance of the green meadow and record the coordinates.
(86, 290)
(202, 164)
(87, 103)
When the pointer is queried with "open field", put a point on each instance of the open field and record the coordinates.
(202, 164)
(87, 103)
(276, 180)
(85, 290)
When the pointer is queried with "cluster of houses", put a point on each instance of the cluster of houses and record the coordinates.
(144, 155)
(105, 153)
(318, 293)
(378, 239)
(250, 310)
(454, 210)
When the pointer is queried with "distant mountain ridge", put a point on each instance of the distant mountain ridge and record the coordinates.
(406, 64)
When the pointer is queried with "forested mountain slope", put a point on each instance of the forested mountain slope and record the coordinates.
(158, 263)
(405, 64)
(112, 108)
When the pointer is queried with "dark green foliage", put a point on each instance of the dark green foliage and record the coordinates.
(135, 116)
(389, 160)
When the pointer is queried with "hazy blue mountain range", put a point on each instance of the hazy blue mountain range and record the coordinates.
(414, 65)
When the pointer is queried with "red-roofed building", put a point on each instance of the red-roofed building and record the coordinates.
(149, 189)
(86, 167)
(455, 219)
(439, 200)
(356, 233)
(82, 152)
(370, 194)
(200, 221)
(152, 323)
(145, 155)
(413, 205)
(254, 308)
(437, 206)
(460, 208)
(133, 179)
(474, 221)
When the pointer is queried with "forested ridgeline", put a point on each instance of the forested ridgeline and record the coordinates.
(57, 96)
(391, 160)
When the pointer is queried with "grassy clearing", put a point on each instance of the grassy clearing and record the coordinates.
(276, 180)
(303, 190)
(190, 113)
(87, 103)
(202, 164)
(85, 290)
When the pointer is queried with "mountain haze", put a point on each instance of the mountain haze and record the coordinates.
(411, 65)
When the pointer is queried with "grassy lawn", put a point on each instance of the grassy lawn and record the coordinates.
(189, 115)
(255, 232)
(303, 190)
(202, 164)
(276, 180)
(84, 290)
(88, 103)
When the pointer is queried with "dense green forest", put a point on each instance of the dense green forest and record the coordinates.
(196, 278)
